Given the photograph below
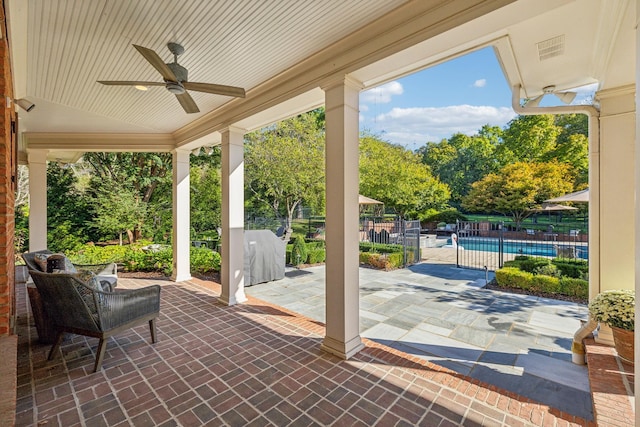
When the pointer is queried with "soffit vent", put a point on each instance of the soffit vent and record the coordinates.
(551, 47)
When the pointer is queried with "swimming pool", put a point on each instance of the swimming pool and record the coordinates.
(521, 247)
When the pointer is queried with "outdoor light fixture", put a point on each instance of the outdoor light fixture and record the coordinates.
(25, 104)
(566, 97)
(141, 87)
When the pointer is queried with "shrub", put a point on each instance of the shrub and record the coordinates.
(375, 260)
(316, 256)
(138, 260)
(299, 251)
(574, 287)
(576, 268)
(513, 277)
(380, 247)
(532, 264)
(546, 284)
(203, 260)
(91, 254)
(548, 270)
(448, 216)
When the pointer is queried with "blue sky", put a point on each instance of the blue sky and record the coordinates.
(461, 95)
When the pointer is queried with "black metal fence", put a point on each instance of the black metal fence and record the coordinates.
(488, 245)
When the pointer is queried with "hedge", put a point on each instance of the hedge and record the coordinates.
(516, 278)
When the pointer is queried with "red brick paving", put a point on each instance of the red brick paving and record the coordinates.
(612, 382)
(253, 364)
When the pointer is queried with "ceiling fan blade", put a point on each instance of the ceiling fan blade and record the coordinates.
(188, 103)
(215, 89)
(129, 83)
(157, 62)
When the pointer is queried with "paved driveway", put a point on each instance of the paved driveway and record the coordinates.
(443, 314)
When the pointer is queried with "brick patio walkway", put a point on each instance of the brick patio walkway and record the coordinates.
(249, 365)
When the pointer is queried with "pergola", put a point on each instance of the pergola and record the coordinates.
(291, 57)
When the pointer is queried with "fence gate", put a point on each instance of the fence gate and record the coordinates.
(411, 242)
(480, 245)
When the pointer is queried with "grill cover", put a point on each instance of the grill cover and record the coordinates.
(264, 256)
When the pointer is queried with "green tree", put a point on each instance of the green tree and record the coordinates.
(529, 138)
(284, 165)
(397, 177)
(69, 211)
(462, 160)
(118, 210)
(518, 188)
(206, 195)
(143, 173)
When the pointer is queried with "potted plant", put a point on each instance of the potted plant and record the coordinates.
(617, 309)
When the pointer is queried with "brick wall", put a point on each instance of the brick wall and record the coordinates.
(8, 160)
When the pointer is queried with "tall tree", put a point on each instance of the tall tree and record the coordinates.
(518, 188)
(140, 172)
(396, 176)
(284, 165)
(206, 194)
(462, 159)
(529, 138)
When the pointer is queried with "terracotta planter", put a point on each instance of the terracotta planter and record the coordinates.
(623, 340)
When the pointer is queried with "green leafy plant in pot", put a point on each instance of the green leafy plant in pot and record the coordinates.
(616, 309)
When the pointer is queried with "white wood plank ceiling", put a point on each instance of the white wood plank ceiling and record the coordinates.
(73, 43)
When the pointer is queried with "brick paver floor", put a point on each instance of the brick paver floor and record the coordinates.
(253, 364)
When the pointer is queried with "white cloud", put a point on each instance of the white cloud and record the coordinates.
(480, 83)
(381, 94)
(414, 127)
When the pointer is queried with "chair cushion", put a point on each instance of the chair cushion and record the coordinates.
(43, 259)
(89, 279)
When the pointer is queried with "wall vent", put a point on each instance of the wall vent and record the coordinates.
(551, 47)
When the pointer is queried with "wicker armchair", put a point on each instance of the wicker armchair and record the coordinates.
(76, 308)
(107, 273)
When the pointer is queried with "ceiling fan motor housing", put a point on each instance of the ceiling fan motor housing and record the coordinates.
(179, 71)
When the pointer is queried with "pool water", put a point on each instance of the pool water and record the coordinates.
(518, 247)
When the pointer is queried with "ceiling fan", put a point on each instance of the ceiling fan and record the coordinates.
(175, 79)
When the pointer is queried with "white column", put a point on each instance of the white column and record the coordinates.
(232, 268)
(181, 216)
(637, 212)
(616, 217)
(342, 183)
(37, 200)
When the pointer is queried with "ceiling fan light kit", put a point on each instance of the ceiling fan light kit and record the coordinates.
(175, 79)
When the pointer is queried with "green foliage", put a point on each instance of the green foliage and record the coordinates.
(394, 175)
(284, 166)
(513, 277)
(518, 188)
(63, 238)
(529, 138)
(203, 260)
(299, 251)
(448, 216)
(118, 210)
(541, 276)
(462, 160)
(91, 254)
(545, 284)
(574, 287)
(138, 260)
(548, 270)
(316, 256)
(206, 197)
(576, 268)
(383, 248)
(138, 173)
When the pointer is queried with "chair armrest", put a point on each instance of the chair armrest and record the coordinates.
(120, 307)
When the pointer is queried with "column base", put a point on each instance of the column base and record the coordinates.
(232, 301)
(340, 349)
(181, 277)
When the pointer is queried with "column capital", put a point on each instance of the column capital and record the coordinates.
(37, 156)
(233, 129)
(342, 80)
